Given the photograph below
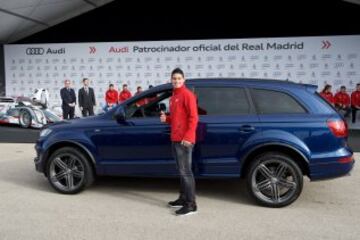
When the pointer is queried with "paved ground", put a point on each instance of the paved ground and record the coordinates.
(125, 208)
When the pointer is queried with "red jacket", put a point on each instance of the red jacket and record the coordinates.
(328, 96)
(342, 98)
(124, 94)
(183, 117)
(355, 98)
(111, 96)
(142, 101)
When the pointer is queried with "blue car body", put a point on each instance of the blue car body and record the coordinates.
(225, 144)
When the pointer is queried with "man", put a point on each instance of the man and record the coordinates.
(183, 121)
(327, 94)
(68, 100)
(111, 96)
(86, 99)
(142, 101)
(153, 109)
(355, 102)
(124, 94)
(342, 101)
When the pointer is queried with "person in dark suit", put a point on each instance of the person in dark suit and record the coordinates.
(68, 100)
(86, 99)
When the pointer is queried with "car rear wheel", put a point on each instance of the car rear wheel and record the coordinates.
(69, 171)
(274, 180)
(25, 119)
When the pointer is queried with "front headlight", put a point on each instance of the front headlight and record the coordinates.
(45, 132)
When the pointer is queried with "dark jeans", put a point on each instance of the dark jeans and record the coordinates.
(183, 157)
(68, 112)
(354, 110)
(87, 111)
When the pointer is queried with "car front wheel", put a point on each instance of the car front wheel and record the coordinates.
(69, 171)
(274, 180)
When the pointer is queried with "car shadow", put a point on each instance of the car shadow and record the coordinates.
(135, 188)
(140, 189)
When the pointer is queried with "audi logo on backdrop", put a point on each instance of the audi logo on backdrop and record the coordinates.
(35, 51)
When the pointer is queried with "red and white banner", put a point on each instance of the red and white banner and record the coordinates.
(315, 60)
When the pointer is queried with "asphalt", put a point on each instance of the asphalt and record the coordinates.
(135, 208)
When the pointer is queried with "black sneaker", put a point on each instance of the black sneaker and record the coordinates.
(186, 210)
(177, 203)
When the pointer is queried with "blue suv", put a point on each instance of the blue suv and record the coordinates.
(269, 132)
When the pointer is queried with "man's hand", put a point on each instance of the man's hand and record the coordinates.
(186, 143)
(162, 117)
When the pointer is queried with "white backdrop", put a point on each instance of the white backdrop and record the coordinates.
(315, 60)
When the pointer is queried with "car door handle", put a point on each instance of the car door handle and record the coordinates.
(246, 128)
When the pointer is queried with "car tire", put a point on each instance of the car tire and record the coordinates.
(25, 119)
(69, 171)
(274, 180)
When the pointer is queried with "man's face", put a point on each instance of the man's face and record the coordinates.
(139, 89)
(111, 87)
(358, 87)
(67, 84)
(343, 90)
(86, 82)
(125, 88)
(177, 80)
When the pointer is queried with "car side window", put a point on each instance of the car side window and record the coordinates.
(149, 106)
(275, 102)
(222, 101)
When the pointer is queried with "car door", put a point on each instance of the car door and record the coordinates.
(226, 120)
(138, 146)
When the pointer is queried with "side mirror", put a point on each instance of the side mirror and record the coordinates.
(120, 114)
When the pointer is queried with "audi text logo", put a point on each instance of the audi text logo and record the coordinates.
(35, 51)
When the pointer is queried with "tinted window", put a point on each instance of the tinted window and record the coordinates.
(272, 102)
(222, 101)
(149, 106)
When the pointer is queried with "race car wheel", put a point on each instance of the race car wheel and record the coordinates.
(25, 119)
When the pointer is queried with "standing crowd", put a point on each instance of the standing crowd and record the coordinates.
(343, 102)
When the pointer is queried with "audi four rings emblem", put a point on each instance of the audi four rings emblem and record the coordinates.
(35, 51)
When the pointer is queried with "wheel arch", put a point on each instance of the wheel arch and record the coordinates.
(300, 159)
(68, 143)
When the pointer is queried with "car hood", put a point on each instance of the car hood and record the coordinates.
(77, 122)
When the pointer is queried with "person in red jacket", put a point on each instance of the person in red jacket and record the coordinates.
(111, 96)
(355, 102)
(183, 120)
(326, 94)
(342, 101)
(124, 94)
(142, 101)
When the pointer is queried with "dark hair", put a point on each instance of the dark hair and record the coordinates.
(151, 86)
(327, 86)
(138, 88)
(342, 87)
(84, 79)
(125, 85)
(358, 84)
(177, 71)
(111, 85)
